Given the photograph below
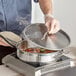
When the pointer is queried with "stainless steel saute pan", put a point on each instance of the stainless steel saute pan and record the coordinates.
(36, 54)
(32, 36)
(32, 39)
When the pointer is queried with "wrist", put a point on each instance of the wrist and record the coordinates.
(48, 15)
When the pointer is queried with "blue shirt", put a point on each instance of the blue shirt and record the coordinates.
(11, 11)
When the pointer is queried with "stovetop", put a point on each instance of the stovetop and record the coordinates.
(35, 69)
(37, 64)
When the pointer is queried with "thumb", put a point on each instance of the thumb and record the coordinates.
(47, 24)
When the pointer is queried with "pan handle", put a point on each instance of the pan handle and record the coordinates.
(59, 54)
(66, 50)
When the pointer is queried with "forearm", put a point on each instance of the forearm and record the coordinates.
(46, 6)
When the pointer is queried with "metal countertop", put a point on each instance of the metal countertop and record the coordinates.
(65, 72)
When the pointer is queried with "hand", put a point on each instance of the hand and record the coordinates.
(3, 42)
(52, 24)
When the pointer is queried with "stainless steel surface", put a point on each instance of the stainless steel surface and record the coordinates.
(34, 33)
(32, 70)
(65, 72)
(36, 57)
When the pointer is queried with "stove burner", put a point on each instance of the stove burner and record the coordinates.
(37, 64)
(35, 69)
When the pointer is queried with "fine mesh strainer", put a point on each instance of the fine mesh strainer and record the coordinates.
(34, 33)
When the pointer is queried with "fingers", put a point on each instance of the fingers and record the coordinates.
(47, 25)
(56, 27)
(53, 26)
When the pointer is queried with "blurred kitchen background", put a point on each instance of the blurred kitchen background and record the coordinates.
(64, 11)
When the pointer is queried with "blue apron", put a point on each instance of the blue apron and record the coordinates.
(11, 11)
